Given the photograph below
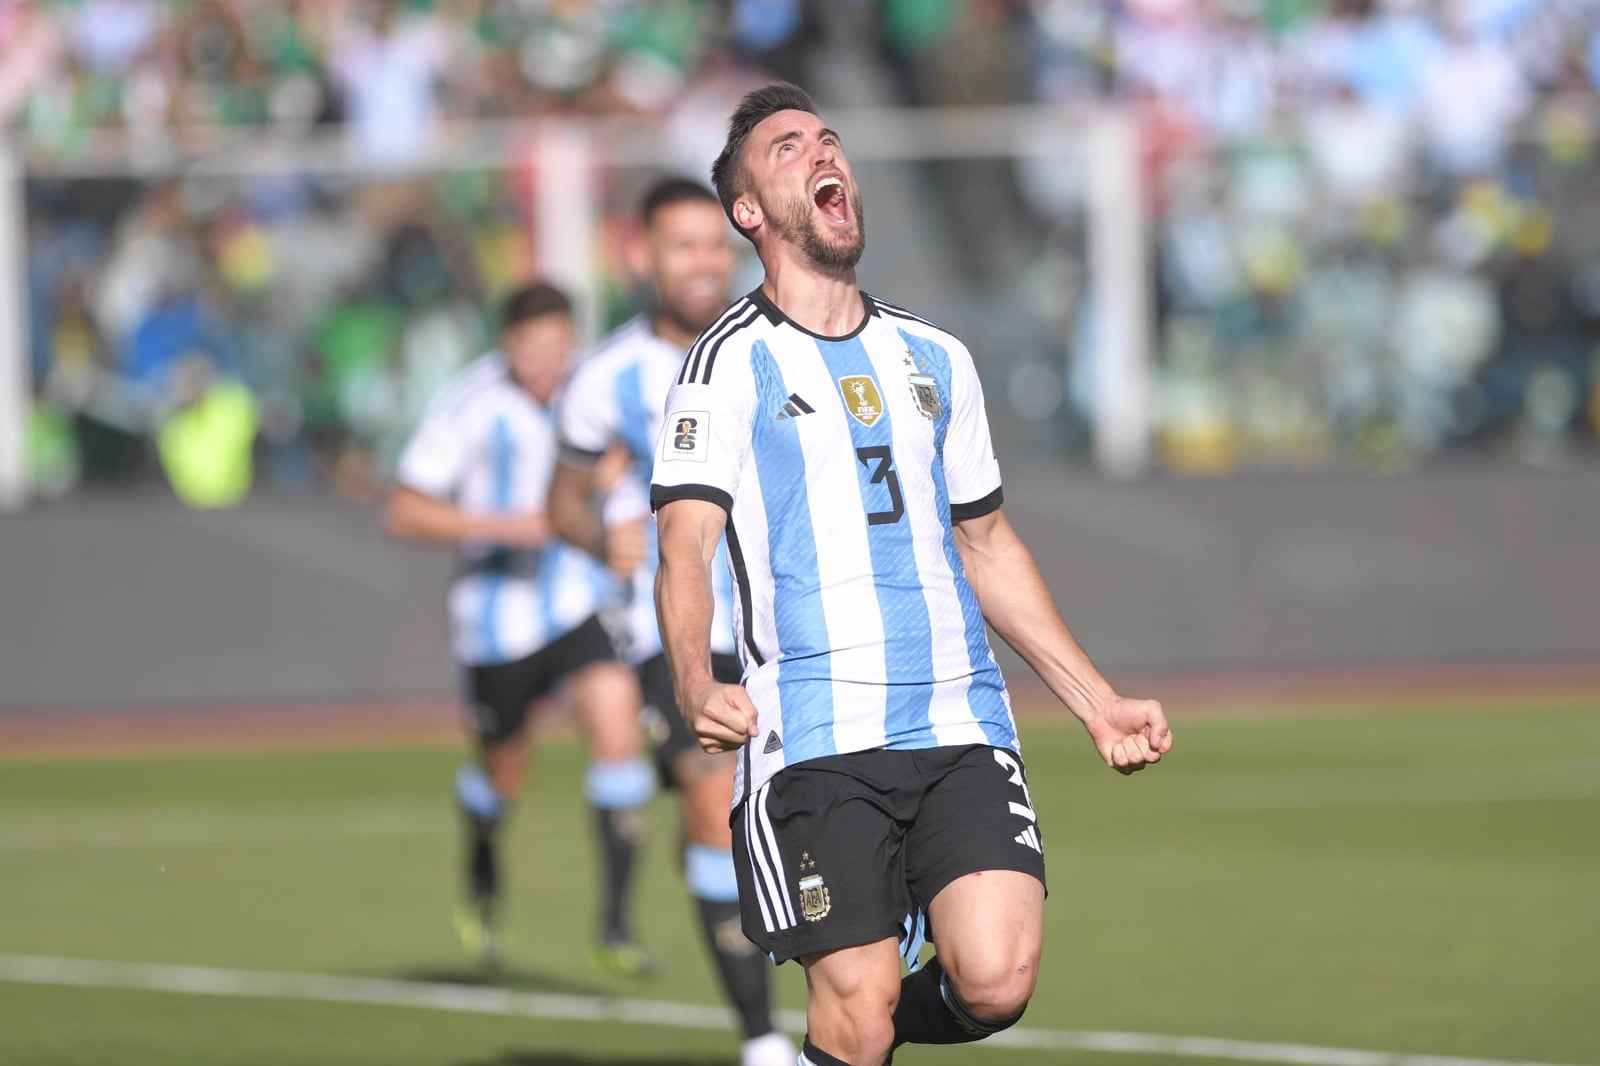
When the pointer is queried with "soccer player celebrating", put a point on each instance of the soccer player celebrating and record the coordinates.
(841, 444)
(617, 395)
(524, 607)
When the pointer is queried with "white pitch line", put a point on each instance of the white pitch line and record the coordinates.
(372, 991)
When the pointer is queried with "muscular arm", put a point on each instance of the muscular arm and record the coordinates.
(572, 513)
(1015, 601)
(416, 516)
(575, 518)
(688, 530)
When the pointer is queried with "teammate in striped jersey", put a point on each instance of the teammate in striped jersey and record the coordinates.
(524, 607)
(616, 396)
(842, 445)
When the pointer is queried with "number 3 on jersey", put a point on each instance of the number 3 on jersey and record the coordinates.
(883, 474)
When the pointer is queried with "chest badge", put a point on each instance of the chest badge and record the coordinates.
(923, 388)
(861, 398)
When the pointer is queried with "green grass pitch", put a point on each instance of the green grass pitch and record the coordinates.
(1414, 882)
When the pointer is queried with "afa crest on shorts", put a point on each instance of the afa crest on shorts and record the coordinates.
(814, 901)
(861, 398)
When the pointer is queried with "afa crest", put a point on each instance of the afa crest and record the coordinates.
(924, 389)
(814, 901)
(926, 392)
(861, 398)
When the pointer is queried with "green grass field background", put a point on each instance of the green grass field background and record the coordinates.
(1422, 882)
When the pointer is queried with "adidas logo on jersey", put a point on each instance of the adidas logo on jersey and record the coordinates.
(794, 407)
(1029, 837)
(774, 743)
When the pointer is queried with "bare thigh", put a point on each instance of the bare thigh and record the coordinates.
(706, 785)
(605, 697)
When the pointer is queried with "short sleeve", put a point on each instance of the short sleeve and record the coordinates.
(705, 438)
(586, 419)
(971, 471)
(435, 457)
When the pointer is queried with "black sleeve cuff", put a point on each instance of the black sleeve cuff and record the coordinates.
(581, 458)
(977, 508)
(660, 494)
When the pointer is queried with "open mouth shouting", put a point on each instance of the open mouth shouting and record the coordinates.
(828, 193)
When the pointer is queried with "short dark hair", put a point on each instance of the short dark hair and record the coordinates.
(727, 173)
(533, 301)
(669, 191)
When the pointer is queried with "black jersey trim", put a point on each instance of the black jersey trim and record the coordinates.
(711, 354)
(776, 316)
(732, 321)
(663, 494)
(741, 581)
(900, 312)
(977, 508)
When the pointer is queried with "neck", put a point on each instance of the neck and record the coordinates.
(825, 302)
(668, 329)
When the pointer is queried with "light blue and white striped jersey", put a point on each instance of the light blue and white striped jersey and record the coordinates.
(618, 392)
(842, 462)
(490, 447)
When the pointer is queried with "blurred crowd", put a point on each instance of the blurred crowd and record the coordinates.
(1372, 235)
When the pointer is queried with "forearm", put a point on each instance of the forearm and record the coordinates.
(413, 516)
(684, 607)
(573, 516)
(1016, 602)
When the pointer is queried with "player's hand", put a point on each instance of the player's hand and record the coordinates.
(517, 529)
(1130, 734)
(722, 716)
(625, 545)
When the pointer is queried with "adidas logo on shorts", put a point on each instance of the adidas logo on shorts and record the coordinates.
(1029, 837)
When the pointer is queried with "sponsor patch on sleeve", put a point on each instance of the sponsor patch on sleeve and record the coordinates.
(686, 436)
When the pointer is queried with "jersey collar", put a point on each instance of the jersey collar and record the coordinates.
(776, 316)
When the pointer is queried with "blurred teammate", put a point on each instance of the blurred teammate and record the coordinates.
(523, 607)
(616, 396)
(842, 445)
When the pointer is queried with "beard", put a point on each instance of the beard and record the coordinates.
(795, 223)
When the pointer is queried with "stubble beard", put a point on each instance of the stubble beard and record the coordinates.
(795, 224)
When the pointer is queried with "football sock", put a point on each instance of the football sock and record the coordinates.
(483, 809)
(811, 1056)
(618, 791)
(930, 1013)
(743, 969)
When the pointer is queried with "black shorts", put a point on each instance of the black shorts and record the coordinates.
(498, 696)
(670, 735)
(839, 851)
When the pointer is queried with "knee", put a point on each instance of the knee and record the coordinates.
(995, 991)
(857, 1026)
(871, 1033)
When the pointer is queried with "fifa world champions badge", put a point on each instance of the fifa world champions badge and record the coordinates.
(861, 398)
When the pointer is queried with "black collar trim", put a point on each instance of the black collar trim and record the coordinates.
(759, 297)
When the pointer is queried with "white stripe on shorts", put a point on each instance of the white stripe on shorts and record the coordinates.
(768, 863)
(750, 840)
